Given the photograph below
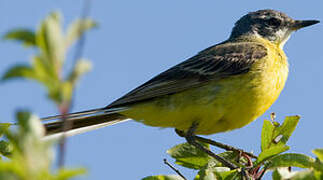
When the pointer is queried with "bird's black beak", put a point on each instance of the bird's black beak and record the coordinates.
(298, 24)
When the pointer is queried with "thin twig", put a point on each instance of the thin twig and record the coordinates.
(260, 174)
(62, 142)
(80, 44)
(223, 146)
(65, 108)
(173, 168)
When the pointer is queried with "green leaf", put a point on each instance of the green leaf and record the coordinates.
(5, 148)
(4, 128)
(228, 175)
(31, 156)
(268, 153)
(318, 175)
(229, 155)
(76, 29)
(39, 71)
(163, 177)
(26, 36)
(23, 120)
(11, 170)
(266, 134)
(19, 71)
(293, 160)
(50, 40)
(82, 66)
(45, 72)
(215, 170)
(205, 174)
(276, 175)
(232, 157)
(284, 131)
(319, 154)
(188, 156)
(283, 173)
(274, 135)
(222, 173)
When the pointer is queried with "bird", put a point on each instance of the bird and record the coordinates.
(221, 88)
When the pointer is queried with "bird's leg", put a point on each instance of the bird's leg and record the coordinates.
(191, 139)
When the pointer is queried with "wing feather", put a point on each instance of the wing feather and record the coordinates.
(216, 62)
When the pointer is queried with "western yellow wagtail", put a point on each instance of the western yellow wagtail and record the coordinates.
(223, 87)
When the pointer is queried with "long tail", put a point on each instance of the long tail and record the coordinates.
(83, 121)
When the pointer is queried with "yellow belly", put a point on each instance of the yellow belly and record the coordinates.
(221, 105)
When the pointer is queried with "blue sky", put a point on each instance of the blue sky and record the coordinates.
(135, 41)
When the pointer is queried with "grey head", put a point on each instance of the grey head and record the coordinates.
(272, 25)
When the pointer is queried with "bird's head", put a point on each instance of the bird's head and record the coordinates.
(272, 25)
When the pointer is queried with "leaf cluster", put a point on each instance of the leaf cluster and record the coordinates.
(271, 158)
(25, 155)
(52, 45)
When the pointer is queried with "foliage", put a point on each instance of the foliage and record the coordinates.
(52, 45)
(24, 154)
(271, 158)
(28, 155)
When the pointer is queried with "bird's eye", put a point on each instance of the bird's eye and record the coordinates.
(273, 22)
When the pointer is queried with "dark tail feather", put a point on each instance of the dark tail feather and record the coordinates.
(84, 121)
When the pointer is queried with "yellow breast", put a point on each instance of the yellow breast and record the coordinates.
(222, 105)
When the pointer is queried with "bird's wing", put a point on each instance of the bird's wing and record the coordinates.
(213, 63)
